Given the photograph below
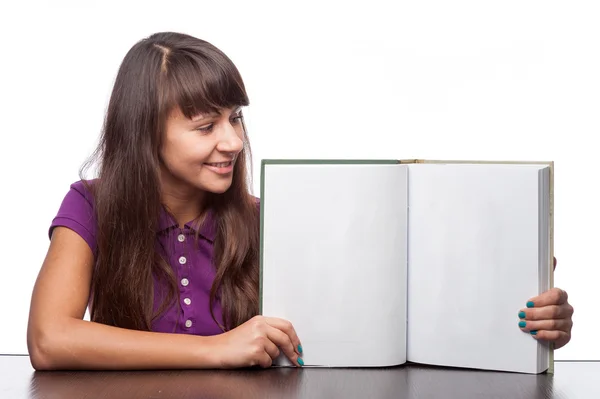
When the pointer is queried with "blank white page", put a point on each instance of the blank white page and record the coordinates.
(334, 260)
(473, 262)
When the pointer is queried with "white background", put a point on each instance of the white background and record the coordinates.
(512, 80)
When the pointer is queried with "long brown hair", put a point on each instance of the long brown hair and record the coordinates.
(159, 73)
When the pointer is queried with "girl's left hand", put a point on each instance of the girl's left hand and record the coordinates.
(548, 317)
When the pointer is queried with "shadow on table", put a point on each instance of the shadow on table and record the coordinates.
(449, 383)
(420, 381)
(406, 382)
(180, 384)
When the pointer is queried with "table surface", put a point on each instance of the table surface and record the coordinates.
(570, 380)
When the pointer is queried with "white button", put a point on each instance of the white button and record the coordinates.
(187, 301)
(181, 237)
(188, 323)
(182, 260)
(185, 282)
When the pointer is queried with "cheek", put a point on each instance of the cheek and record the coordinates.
(182, 157)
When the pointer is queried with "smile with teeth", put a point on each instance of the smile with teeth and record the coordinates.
(221, 168)
(220, 164)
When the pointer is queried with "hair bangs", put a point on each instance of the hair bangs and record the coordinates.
(199, 84)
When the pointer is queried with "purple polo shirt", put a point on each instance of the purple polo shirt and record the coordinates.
(192, 264)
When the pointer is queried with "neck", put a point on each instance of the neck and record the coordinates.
(182, 201)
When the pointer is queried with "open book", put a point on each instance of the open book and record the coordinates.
(379, 263)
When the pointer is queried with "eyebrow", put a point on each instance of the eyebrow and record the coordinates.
(200, 117)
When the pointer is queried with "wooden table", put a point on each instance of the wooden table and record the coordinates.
(571, 380)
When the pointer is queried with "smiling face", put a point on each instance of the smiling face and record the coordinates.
(199, 154)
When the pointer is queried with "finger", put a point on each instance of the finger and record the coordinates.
(559, 338)
(555, 263)
(554, 296)
(547, 312)
(283, 341)
(265, 360)
(271, 349)
(546, 325)
(288, 329)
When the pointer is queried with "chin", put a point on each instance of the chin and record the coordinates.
(217, 188)
(220, 190)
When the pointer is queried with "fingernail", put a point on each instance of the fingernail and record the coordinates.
(299, 348)
(522, 324)
(529, 304)
(521, 315)
(533, 332)
(300, 362)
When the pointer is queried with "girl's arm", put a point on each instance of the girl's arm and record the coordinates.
(59, 338)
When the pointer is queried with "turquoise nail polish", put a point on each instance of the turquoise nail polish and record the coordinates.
(522, 324)
(300, 348)
(533, 332)
(521, 315)
(300, 362)
(529, 304)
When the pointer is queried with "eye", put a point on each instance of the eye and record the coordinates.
(238, 118)
(206, 129)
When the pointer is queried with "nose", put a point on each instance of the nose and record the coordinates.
(230, 139)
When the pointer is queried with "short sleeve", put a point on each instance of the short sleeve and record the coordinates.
(76, 212)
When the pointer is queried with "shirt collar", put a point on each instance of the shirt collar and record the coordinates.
(208, 229)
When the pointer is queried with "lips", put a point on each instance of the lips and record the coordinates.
(220, 168)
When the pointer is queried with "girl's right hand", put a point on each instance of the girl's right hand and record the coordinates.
(258, 342)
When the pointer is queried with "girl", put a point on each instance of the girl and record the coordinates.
(163, 245)
(140, 241)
